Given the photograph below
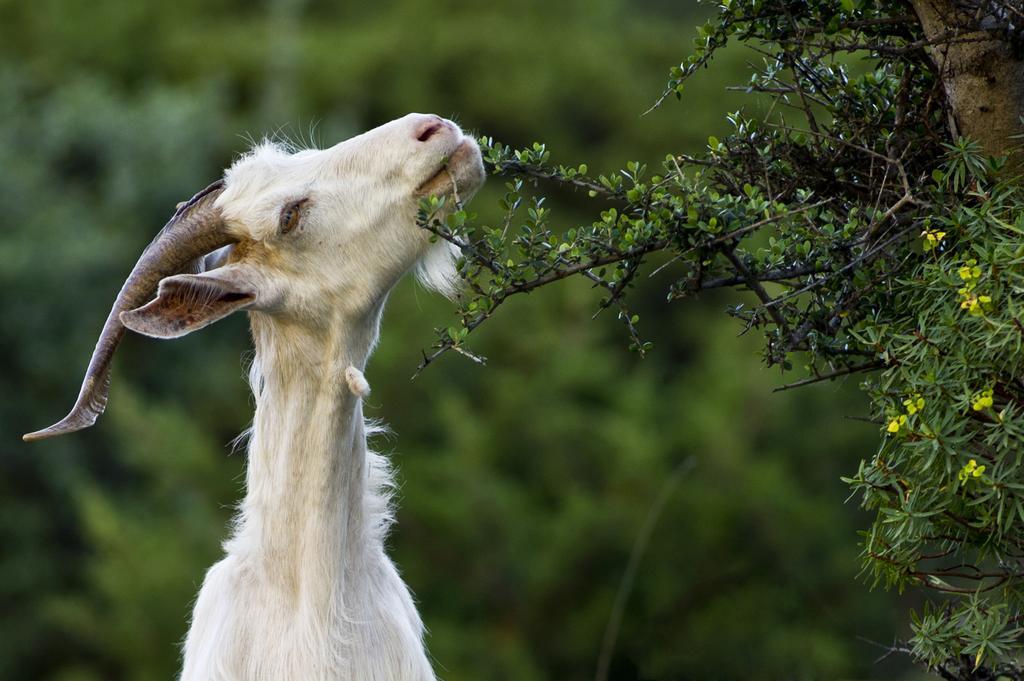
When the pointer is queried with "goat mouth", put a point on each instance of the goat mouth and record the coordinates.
(463, 166)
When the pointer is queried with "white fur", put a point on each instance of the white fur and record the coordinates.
(306, 591)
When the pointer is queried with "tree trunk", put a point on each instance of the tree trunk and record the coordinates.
(982, 73)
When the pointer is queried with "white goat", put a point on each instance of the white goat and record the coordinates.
(310, 244)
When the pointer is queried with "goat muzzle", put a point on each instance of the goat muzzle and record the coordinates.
(195, 229)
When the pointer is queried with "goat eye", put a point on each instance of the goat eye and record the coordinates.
(290, 216)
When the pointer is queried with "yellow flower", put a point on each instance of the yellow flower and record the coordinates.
(967, 470)
(970, 470)
(970, 270)
(896, 423)
(932, 238)
(976, 304)
(982, 400)
(914, 404)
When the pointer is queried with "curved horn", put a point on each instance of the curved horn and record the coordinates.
(195, 229)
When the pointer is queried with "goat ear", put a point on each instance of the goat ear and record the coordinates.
(187, 302)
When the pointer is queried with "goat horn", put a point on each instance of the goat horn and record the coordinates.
(195, 229)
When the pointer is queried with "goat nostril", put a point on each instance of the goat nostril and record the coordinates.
(428, 131)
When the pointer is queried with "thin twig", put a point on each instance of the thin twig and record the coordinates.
(754, 285)
(867, 366)
(643, 538)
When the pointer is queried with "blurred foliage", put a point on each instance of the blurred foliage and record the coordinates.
(524, 483)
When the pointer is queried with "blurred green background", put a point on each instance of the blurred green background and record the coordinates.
(524, 484)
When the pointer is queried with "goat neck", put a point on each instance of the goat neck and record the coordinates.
(306, 504)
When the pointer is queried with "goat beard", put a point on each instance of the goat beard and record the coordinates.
(437, 271)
